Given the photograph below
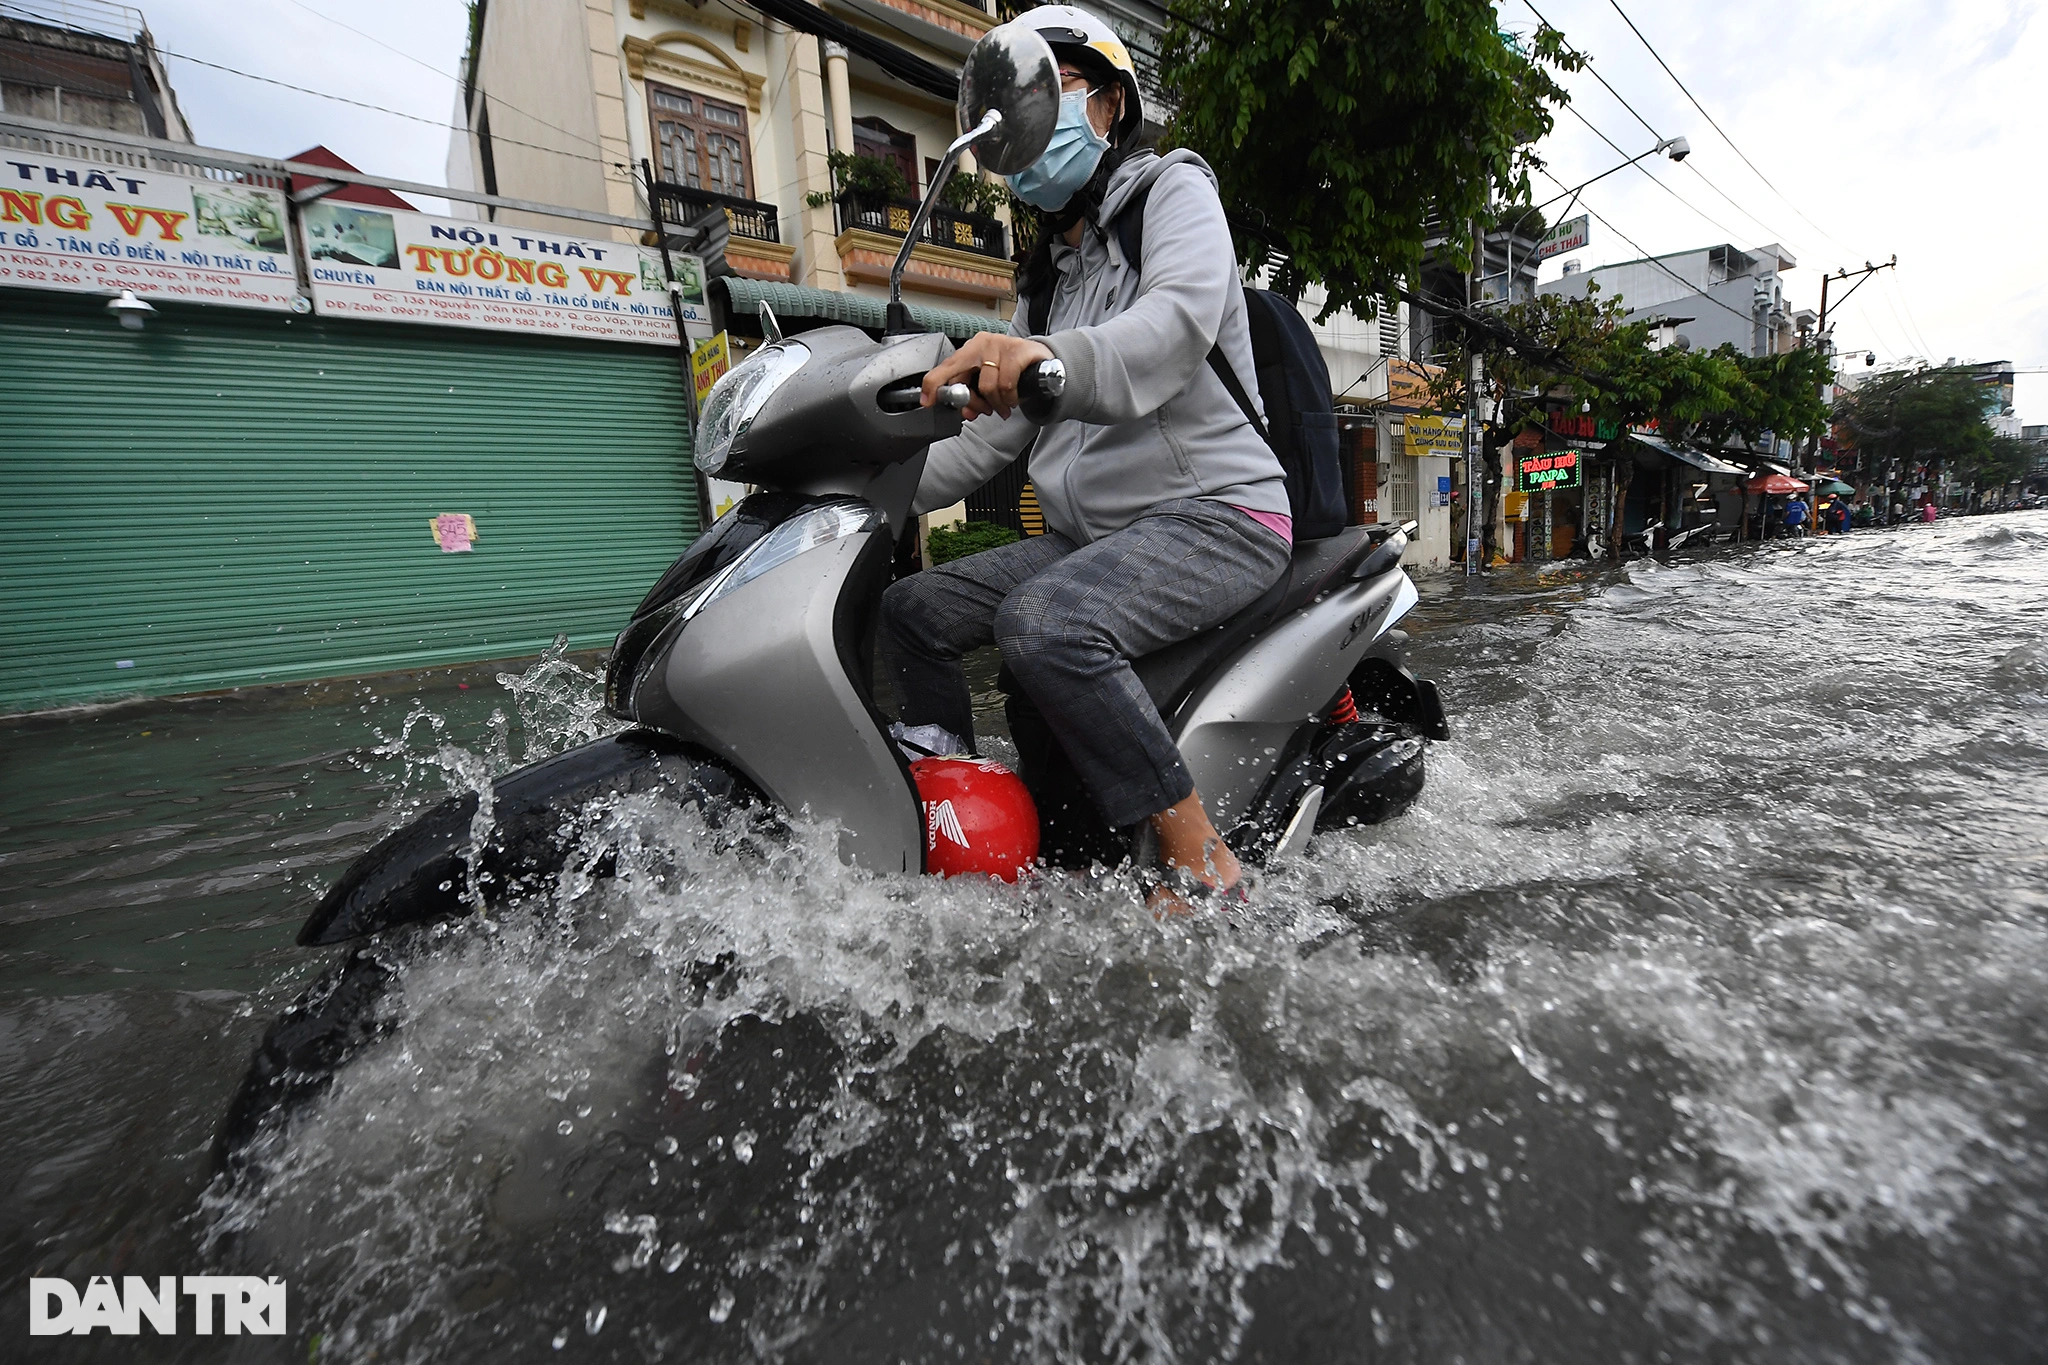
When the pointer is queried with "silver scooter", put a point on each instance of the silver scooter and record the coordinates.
(747, 671)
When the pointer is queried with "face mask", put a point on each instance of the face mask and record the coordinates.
(1069, 159)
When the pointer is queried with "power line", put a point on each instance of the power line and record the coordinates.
(1648, 259)
(1904, 325)
(453, 80)
(1638, 164)
(1717, 127)
(1907, 328)
(371, 37)
(1891, 286)
(1690, 165)
(374, 108)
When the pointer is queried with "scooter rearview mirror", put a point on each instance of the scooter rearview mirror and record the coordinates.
(1009, 102)
(1011, 71)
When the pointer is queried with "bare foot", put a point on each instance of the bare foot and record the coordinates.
(1189, 843)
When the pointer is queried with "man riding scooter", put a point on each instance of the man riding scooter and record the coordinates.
(1166, 509)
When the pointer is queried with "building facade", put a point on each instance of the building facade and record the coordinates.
(1705, 298)
(725, 120)
(89, 65)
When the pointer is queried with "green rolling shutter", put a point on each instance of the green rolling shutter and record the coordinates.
(228, 498)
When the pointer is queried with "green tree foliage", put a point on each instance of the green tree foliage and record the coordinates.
(948, 543)
(1928, 416)
(1343, 130)
(1586, 349)
(2008, 460)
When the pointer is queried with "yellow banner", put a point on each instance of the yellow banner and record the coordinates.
(1435, 435)
(708, 360)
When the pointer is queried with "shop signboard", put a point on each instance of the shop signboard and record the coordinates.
(88, 227)
(1426, 436)
(1539, 471)
(412, 267)
(1569, 235)
(690, 295)
(709, 360)
(1408, 382)
(1577, 426)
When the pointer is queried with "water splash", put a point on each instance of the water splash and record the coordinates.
(1660, 1026)
(560, 705)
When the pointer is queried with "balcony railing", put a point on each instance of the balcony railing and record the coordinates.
(973, 232)
(685, 205)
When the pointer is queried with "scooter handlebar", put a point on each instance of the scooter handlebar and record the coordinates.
(1038, 388)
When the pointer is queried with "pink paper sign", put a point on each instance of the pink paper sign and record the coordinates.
(454, 532)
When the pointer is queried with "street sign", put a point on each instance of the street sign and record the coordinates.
(1569, 235)
(1538, 471)
(1427, 436)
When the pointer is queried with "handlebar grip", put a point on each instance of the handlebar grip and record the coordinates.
(1039, 388)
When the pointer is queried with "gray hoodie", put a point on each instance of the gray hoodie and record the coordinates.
(1144, 419)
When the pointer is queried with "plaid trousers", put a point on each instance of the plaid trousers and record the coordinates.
(1069, 620)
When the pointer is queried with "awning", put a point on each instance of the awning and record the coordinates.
(1697, 459)
(800, 301)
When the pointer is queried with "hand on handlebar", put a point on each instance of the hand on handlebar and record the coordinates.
(989, 364)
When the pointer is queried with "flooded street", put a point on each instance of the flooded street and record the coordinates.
(1699, 1011)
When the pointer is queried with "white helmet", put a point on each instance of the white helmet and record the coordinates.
(1064, 26)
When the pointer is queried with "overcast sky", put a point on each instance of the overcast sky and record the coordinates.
(1885, 126)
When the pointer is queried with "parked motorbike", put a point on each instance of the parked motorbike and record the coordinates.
(1646, 543)
(747, 671)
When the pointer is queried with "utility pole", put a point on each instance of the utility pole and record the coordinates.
(662, 234)
(1821, 339)
(1821, 328)
(1475, 479)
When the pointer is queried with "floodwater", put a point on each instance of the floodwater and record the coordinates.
(1699, 1011)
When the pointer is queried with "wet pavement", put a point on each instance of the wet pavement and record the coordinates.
(1696, 1013)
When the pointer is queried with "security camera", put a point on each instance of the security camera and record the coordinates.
(1678, 149)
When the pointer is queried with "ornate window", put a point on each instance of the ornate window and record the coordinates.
(700, 142)
(883, 141)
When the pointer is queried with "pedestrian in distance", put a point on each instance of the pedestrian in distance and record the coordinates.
(1794, 520)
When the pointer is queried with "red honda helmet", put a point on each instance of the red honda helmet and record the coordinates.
(978, 818)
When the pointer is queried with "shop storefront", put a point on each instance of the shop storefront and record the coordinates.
(247, 441)
(231, 497)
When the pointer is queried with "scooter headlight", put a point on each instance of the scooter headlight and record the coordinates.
(806, 531)
(738, 397)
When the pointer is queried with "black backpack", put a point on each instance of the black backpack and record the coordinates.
(1293, 380)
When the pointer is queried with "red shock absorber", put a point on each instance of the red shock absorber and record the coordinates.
(1345, 711)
